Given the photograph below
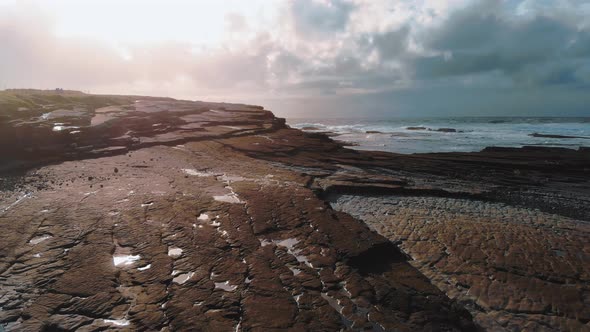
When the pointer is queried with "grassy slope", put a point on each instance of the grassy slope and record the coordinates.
(16, 103)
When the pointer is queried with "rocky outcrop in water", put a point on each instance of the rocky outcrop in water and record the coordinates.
(555, 136)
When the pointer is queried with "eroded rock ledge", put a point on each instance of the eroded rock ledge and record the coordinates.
(155, 221)
(155, 214)
(72, 126)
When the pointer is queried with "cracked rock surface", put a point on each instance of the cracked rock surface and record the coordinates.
(181, 230)
(140, 213)
(504, 232)
(514, 268)
(153, 246)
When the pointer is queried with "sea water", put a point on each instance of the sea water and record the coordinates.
(469, 133)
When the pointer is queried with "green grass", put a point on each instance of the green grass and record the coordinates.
(41, 101)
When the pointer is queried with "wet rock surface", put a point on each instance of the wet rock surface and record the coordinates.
(198, 236)
(217, 217)
(503, 231)
(154, 247)
(555, 136)
(72, 126)
(514, 268)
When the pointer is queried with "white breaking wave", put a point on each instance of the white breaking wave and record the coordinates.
(452, 134)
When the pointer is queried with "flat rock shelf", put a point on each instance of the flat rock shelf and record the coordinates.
(140, 213)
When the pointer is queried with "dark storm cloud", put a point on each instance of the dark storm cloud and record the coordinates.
(483, 59)
(541, 49)
(391, 44)
(580, 46)
(484, 38)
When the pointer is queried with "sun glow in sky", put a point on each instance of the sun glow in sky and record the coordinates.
(312, 57)
(148, 21)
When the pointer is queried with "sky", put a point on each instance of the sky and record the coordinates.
(311, 58)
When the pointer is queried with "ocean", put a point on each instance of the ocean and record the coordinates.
(456, 134)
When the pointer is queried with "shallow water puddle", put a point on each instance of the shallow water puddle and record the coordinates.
(345, 290)
(123, 260)
(39, 239)
(61, 126)
(228, 198)
(174, 252)
(232, 196)
(117, 322)
(182, 278)
(225, 286)
(232, 127)
(334, 303)
(143, 268)
(230, 178)
(289, 244)
(194, 172)
(297, 298)
(18, 200)
(90, 193)
(301, 258)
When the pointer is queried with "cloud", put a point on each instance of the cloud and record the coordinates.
(448, 56)
(391, 44)
(318, 18)
(235, 22)
(537, 48)
(32, 56)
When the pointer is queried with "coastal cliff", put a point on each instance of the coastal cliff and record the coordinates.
(142, 213)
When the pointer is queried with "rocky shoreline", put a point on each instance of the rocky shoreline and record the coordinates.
(138, 213)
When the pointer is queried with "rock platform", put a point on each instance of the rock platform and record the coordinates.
(139, 213)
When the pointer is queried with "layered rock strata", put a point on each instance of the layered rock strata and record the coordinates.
(184, 232)
(153, 214)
